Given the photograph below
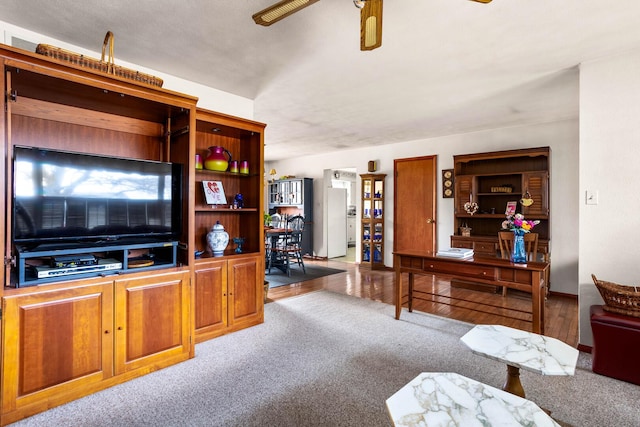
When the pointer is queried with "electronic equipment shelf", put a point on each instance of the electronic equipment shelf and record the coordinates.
(60, 262)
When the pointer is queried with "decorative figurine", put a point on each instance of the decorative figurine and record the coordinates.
(238, 202)
(239, 241)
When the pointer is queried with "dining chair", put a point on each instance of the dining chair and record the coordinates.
(288, 248)
(505, 240)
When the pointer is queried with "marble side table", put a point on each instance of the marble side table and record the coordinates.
(521, 349)
(449, 399)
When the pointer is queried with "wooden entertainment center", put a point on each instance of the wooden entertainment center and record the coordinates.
(67, 338)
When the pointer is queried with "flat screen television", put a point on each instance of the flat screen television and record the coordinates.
(69, 197)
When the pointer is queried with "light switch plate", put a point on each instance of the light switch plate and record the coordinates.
(591, 197)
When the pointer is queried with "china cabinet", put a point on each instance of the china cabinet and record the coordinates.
(294, 196)
(492, 181)
(372, 220)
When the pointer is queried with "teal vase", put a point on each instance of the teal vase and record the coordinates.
(518, 255)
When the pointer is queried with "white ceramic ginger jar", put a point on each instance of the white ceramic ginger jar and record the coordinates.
(217, 239)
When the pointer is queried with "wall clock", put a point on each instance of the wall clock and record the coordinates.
(447, 183)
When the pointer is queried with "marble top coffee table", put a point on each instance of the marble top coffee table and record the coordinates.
(521, 349)
(449, 399)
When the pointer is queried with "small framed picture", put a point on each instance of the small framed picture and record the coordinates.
(214, 192)
(511, 208)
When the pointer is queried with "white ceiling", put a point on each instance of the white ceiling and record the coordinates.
(445, 66)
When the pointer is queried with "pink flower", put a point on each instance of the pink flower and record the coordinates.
(517, 222)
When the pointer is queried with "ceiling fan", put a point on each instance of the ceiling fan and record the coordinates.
(370, 17)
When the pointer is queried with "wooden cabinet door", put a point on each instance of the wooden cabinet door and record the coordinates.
(245, 289)
(537, 184)
(463, 193)
(210, 299)
(415, 204)
(55, 342)
(152, 321)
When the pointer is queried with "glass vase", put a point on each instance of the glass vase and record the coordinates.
(518, 254)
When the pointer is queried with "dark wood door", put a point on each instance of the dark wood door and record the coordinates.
(414, 204)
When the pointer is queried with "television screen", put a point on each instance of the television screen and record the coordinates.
(74, 197)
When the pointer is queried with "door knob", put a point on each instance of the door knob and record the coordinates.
(430, 221)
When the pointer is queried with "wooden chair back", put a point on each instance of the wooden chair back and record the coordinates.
(296, 226)
(505, 240)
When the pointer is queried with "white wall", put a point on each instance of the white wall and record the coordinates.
(209, 98)
(561, 136)
(609, 232)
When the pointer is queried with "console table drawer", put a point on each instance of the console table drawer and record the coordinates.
(461, 268)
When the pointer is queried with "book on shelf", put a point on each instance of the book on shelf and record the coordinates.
(461, 253)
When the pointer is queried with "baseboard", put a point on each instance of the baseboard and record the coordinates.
(585, 348)
(562, 294)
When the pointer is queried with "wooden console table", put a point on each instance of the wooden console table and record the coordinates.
(528, 277)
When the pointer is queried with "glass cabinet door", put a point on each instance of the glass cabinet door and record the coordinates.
(372, 228)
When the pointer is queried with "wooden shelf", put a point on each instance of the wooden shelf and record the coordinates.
(230, 210)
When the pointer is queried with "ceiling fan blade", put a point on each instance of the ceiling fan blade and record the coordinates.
(280, 11)
(371, 25)
(482, 1)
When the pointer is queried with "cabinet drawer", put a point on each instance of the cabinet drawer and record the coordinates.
(485, 247)
(460, 268)
(461, 244)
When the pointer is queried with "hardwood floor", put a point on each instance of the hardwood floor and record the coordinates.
(436, 296)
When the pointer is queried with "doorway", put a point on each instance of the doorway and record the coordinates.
(340, 214)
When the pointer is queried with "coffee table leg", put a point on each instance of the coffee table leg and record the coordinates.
(513, 385)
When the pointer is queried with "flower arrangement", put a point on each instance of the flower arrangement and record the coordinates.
(517, 222)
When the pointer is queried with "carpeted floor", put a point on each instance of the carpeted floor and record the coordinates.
(278, 278)
(327, 359)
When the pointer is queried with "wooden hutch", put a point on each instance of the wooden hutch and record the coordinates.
(68, 338)
(492, 180)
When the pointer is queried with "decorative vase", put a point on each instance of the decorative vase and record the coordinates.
(244, 167)
(217, 239)
(518, 254)
(217, 159)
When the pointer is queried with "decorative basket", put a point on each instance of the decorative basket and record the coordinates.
(101, 65)
(619, 299)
